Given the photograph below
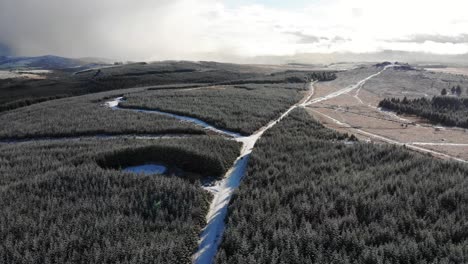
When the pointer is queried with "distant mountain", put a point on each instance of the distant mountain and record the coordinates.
(48, 62)
(346, 57)
(386, 55)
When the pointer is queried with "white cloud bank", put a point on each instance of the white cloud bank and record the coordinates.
(200, 29)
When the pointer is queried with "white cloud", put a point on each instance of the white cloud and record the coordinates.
(190, 29)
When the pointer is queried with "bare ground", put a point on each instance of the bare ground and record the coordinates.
(461, 71)
(356, 113)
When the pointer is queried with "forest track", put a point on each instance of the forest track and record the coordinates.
(114, 104)
(409, 145)
(416, 146)
(223, 190)
(346, 89)
(440, 144)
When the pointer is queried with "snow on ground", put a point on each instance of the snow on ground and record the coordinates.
(148, 169)
(393, 115)
(212, 233)
(35, 71)
(211, 236)
(414, 146)
(31, 74)
(8, 75)
(347, 89)
(409, 145)
(114, 104)
(440, 144)
(223, 190)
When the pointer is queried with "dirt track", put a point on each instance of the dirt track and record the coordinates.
(353, 110)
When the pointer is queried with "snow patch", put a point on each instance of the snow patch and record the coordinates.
(212, 234)
(347, 89)
(148, 169)
(114, 104)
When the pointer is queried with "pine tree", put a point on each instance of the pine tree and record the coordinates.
(458, 90)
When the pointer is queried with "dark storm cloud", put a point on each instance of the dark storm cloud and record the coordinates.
(106, 28)
(421, 38)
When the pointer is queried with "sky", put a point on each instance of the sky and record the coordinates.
(229, 29)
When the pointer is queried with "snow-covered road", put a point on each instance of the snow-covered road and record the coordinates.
(114, 104)
(224, 189)
(347, 89)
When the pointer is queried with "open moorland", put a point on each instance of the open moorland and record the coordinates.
(451, 70)
(354, 109)
(445, 110)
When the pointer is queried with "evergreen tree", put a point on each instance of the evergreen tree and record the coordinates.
(450, 111)
(309, 198)
(444, 92)
(458, 90)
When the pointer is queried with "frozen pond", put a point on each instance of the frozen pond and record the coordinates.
(147, 169)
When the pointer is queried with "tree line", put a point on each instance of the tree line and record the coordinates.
(456, 90)
(240, 109)
(87, 116)
(20, 92)
(449, 111)
(214, 161)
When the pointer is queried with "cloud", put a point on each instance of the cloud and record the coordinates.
(312, 39)
(305, 38)
(106, 28)
(190, 29)
(422, 38)
(338, 39)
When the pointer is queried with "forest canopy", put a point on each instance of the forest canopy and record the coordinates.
(445, 110)
(59, 206)
(311, 196)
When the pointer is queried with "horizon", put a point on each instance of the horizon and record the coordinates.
(231, 31)
(421, 58)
